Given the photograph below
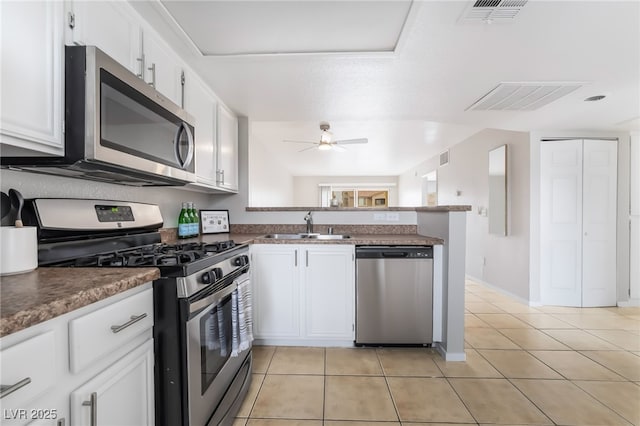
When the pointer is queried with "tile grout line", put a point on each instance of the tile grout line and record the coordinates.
(384, 375)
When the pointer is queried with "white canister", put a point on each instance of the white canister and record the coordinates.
(18, 249)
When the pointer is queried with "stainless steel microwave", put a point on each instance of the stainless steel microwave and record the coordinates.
(118, 128)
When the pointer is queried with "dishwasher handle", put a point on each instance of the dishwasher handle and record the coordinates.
(394, 254)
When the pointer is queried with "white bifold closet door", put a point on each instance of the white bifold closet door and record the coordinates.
(578, 222)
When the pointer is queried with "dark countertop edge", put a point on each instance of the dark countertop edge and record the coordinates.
(361, 209)
(372, 239)
(40, 313)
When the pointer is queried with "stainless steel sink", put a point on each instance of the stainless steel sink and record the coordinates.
(330, 237)
(307, 236)
(285, 236)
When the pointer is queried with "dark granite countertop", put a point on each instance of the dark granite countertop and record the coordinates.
(359, 239)
(449, 208)
(34, 297)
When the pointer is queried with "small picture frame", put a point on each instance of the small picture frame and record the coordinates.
(214, 221)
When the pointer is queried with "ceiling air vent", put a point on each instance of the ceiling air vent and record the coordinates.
(519, 96)
(489, 11)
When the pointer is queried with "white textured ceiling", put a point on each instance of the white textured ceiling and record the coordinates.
(276, 27)
(440, 67)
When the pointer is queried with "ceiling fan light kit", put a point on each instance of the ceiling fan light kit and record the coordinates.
(326, 143)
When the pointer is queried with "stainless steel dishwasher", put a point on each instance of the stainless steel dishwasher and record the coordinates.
(394, 295)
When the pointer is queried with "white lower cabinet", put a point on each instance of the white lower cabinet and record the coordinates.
(121, 395)
(303, 293)
(50, 388)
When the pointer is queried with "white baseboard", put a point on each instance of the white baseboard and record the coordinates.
(629, 303)
(304, 342)
(501, 290)
(451, 356)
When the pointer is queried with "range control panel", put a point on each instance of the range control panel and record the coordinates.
(114, 213)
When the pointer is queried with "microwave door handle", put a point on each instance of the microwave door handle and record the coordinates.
(176, 144)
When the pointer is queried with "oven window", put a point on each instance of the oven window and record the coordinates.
(215, 341)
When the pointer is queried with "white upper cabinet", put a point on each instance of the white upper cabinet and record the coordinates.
(199, 104)
(110, 26)
(162, 67)
(116, 29)
(227, 149)
(31, 78)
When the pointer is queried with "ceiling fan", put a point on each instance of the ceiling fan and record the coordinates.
(326, 143)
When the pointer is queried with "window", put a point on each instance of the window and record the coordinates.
(341, 195)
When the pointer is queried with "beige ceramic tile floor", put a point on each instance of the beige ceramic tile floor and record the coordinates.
(525, 366)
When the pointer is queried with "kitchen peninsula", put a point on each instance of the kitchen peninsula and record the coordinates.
(441, 226)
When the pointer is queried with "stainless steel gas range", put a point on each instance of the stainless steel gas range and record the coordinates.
(202, 302)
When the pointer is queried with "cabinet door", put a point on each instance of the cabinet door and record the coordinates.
(31, 77)
(112, 27)
(276, 290)
(163, 69)
(329, 287)
(198, 103)
(227, 149)
(121, 395)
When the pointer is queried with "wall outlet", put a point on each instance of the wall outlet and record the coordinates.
(393, 217)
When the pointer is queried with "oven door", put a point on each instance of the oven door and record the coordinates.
(210, 367)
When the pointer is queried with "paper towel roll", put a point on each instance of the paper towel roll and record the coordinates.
(18, 249)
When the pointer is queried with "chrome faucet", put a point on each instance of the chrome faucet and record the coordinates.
(309, 220)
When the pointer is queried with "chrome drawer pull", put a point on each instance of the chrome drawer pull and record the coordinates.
(9, 389)
(134, 319)
(93, 403)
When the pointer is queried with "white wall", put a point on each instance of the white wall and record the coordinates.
(33, 185)
(499, 261)
(634, 189)
(270, 183)
(623, 241)
(410, 190)
(307, 192)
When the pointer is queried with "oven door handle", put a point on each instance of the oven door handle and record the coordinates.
(212, 300)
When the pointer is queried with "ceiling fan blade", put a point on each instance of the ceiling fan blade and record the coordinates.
(307, 149)
(352, 141)
(339, 148)
(286, 140)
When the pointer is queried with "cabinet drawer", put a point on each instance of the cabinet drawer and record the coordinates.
(28, 367)
(101, 332)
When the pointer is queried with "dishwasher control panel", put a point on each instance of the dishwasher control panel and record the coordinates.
(397, 252)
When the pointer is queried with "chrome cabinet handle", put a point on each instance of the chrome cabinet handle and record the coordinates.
(9, 389)
(152, 68)
(141, 60)
(295, 262)
(93, 403)
(134, 319)
(306, 252)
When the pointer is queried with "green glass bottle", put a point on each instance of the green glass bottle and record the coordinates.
(184, 222)
(195, 220)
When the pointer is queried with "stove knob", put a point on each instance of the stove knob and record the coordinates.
(206, 278)
(217, 273)
(241, 260)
